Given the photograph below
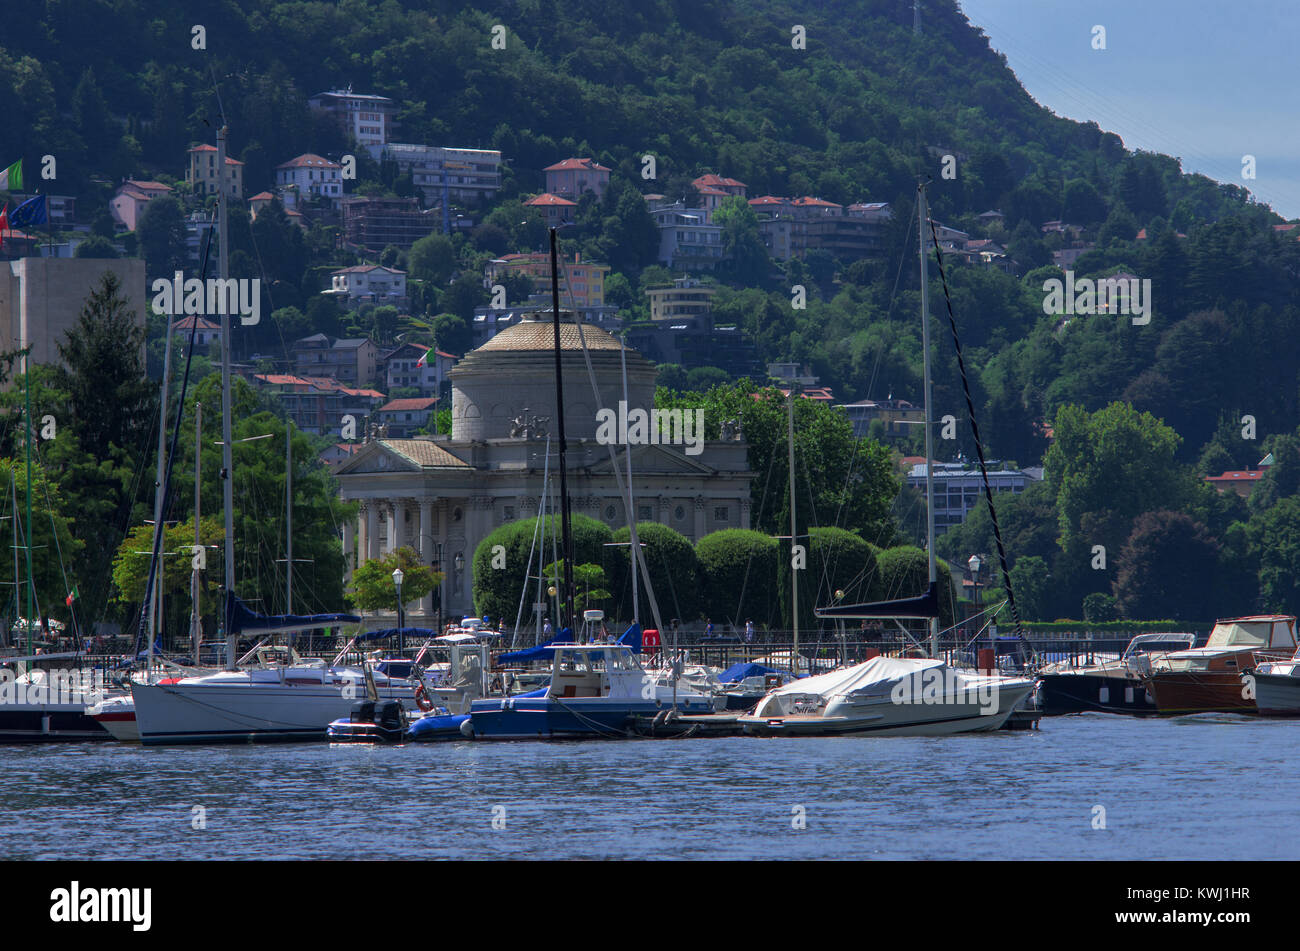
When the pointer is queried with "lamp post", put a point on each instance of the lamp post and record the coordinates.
(398, 578)
(442, 589)
(975, 564)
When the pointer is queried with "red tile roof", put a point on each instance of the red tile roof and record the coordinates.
(262, 196)
(808, 201)
(576, 163)
(1237, 475)
(711, 179)
(309, 160)
(547, 199)
(413, 403)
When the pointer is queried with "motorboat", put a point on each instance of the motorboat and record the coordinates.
(1276, 685)
(745, 684)
(370, 722)
(42, 702)
(596, 690)
(1208, 679)
(889, 696)
(1111, 684)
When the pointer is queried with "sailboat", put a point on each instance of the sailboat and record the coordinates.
(893, 696)
(42, 699)
(270, 702)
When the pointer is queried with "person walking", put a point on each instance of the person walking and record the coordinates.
(749, 631)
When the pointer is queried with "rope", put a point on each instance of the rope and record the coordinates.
(975, 431)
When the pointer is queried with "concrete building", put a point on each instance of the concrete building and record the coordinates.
(312, 177)
(685, 297)
(443, 495)
(403, 418)
(687, 239)
(321, 405)
(202, 172)
(375, 223)
(366, 120)
(573, 176)
(472, 175)
(897, 417)
(351, 287)
(352, 362)
(127, 205)
(958, 488)
(582, 283)
(554, 210)
(401, 368)
(41, 299)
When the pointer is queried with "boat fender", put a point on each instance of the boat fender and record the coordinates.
(422, 699)
(467, 729)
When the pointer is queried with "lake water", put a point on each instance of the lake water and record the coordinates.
(1209, 786)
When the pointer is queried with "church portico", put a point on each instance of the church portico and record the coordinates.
(442, 495)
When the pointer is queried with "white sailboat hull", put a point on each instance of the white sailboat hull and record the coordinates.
(234, 711)
(117, 716)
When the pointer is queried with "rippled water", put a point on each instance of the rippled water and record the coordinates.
(1211, 786)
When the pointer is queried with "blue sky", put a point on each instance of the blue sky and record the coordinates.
(1202, 80)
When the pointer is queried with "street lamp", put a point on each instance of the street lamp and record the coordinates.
(398, 578)
(975, 564)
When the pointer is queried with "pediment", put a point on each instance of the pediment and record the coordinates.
(648, 460)
(375, 457)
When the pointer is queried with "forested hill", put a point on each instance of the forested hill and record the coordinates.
(700, 85)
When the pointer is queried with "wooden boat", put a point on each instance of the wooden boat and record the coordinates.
(1208, 679)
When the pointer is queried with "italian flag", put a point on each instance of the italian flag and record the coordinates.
(424, 360)
(11, 179)
(72, 596)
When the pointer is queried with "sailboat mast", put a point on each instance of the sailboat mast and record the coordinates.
(921, 218)
(155, 602)
(559, 411)
(195, 624)
(631, 509)
(794, 537)
(227, 484)
(288, 516)
(27, 380)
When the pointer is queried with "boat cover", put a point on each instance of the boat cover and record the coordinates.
(924, 606)
(416, 632)
(244, 620)
(877, 675)
(742, 671)
(530, 654)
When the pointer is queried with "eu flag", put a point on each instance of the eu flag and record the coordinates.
(30, 212)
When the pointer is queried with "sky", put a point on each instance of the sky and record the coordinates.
(1203, 80)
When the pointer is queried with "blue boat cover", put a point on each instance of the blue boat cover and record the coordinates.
(433, 727)
(416, 632)
(242, 619)
(738, 672)
(530, 654)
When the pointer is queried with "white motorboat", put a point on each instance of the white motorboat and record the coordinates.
(1276, 686)
(889, 696)
(41, 702)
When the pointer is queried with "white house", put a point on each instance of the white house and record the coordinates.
(312, 176)
(368, 283)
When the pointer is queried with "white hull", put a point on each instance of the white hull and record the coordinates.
(1277, 689)
(881, 717)
(117, 716)
(245, 712)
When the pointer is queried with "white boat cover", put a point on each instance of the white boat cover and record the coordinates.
(877, 675)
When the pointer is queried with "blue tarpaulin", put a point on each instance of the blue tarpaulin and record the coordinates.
(243, 619)
(530, 654)
(738, 672)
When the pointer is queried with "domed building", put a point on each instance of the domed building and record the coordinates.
(443, 494)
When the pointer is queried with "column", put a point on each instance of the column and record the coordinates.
(427, 549)
(392, 527)
(349, 531)
(744, 513)
(372, 529)
(700, 523)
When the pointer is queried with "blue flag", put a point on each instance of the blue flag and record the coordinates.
(30, 212)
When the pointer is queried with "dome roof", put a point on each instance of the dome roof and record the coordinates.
(534, 335)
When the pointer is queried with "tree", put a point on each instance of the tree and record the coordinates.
(56, 552)
(1100, 607)
(738, 575)
(1167, 568)
(674, 572)
(131, 569)
(96, 247)
(1275, 539)
(372, 581)
(433, 259)
(1031, 584)
(591, 588)
(742, 246)
(162, 237)
(500, 578)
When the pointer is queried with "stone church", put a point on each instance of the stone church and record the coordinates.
(443, 494)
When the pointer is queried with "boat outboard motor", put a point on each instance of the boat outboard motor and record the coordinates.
(388, 715)
(363, 711)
